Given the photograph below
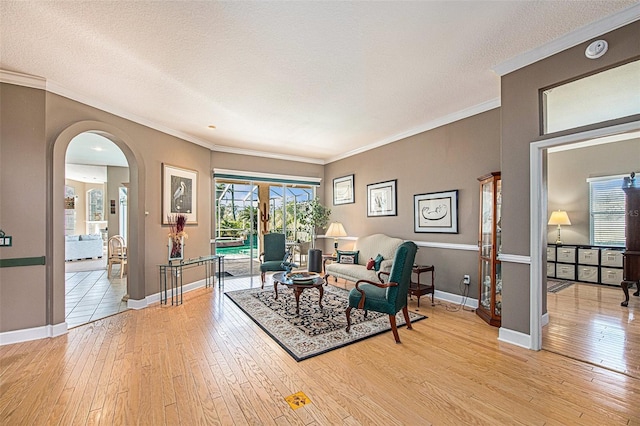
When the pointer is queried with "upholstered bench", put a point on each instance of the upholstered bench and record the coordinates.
(352, 265)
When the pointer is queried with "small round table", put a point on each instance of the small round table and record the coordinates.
(298, 288)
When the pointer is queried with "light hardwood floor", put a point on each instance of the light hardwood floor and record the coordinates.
(586, 322)
(205, 362)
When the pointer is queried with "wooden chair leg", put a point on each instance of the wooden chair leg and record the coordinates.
(262, 274)
(394, 327)
(109, 270)
(405, 312)
(348, 313)
(121, 270)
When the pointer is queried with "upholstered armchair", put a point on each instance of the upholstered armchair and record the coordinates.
(389, 297)
(275, 256)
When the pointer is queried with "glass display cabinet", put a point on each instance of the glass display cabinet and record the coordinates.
(490, 245)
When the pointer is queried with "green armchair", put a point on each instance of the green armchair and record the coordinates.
(390, 297)
(275, 256)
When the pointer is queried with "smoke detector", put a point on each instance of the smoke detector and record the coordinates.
(596, 49)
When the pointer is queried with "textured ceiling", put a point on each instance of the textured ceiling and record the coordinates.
(312, 79)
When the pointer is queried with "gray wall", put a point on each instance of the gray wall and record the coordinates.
(450, 157)
(568, 189)
(521, 126)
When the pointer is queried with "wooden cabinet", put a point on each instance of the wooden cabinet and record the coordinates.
(490, 245)
(631, 254)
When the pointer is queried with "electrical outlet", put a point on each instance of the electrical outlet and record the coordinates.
(466, 279)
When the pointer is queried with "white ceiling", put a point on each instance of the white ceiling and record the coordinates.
(314, 79)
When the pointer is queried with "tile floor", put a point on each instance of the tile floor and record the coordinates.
(90, 295)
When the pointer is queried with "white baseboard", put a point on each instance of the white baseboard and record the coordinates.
(457, 299)
(545, 319)
(45, 331)
(35, 333)
(514, 338)
(155, 298)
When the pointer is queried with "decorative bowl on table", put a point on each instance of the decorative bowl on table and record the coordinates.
(303, 277)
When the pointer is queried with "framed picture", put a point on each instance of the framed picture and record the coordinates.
(343, 190)
(436, 212)
(382, 199)
(179, 193)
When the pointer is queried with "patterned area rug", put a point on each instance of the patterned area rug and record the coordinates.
(314, 331)
(554, 286)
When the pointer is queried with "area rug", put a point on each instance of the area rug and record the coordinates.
(315, 331)
(554, 286)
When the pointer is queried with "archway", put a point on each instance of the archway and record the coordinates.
(55, 208)
(96, 181)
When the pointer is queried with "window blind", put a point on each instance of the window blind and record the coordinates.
(606, 206)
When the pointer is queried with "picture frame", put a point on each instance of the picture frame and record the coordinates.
(343, 190)
(436, 212)
(179, 193)
(382, 199)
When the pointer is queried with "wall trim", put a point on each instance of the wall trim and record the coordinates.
(449, 246)
(35, 333)
(545, 319)
(514, 338)
(595, 29)
(514, 258)
(24, 80)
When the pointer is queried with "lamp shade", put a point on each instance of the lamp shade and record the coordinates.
(559, 217)
(336, 230)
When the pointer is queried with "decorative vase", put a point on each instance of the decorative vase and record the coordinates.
(176, 248)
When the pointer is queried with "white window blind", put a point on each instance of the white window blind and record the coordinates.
(606, 205)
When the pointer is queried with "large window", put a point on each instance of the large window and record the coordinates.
(606, 206)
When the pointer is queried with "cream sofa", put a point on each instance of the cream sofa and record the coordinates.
(82, 246)
(368, 247)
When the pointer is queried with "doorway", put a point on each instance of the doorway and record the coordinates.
(96, 176)
(585, 298)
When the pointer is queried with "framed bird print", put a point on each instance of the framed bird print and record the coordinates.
(179, 193)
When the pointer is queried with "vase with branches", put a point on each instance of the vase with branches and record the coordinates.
(177, 236)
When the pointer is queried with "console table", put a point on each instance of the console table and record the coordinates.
(174, 270)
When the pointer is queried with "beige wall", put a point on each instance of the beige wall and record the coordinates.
(450, 157)
(568, 188)
(521, 126)
(116, 177)
(23, 291)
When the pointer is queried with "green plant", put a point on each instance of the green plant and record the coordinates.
(314, 215)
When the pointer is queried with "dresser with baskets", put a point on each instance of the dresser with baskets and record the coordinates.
(590, 264)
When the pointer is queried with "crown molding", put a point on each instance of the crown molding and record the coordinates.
(24, 80)
(447, 119)
(603, 26)
(243, 151)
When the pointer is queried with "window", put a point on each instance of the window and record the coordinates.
(606, 207)
(608, 95)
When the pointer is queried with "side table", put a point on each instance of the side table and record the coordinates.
(420, 289)
(326, 257)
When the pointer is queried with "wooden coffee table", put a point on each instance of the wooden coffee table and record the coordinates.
(281, 278)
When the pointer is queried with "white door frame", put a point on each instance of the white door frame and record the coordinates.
(538, 205)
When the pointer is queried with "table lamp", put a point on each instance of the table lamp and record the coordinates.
(335, 230)
(559, 217)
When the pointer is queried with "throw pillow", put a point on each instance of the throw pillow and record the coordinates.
(370, 263)
(377, 261)
(351, 256)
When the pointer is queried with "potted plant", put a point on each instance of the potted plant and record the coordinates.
(314, 215)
